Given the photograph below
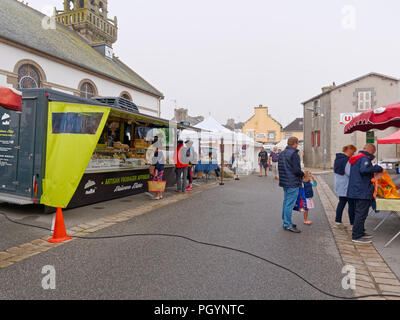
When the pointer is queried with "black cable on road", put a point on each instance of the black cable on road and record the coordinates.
(176, 236)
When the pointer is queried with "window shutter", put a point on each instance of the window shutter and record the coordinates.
(367, 100)
(312, 139)
(364, 100)
(319, 138)
(361, 100)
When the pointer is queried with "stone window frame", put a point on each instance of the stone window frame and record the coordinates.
(269, 135)
(252, 132)
(95, 93)
(288, 134)
(126, 93)
(356, 98)
(13, 79)
(317, 108)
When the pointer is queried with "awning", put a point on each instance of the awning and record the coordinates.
(10, 99)
(392, 139)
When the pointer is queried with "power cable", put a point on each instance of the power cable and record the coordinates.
(176, 236)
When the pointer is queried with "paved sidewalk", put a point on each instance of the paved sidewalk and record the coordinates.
(386, 231)
(13, 235)
(374, 276)
(20, 252)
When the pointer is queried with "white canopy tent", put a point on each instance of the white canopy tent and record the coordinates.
(282, 145)
(214, 134)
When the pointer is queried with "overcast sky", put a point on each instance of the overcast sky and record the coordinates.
(225, 57)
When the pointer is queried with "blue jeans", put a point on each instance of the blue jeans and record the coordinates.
(289, 202)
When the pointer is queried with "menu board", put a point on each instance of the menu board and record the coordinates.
(9, 122)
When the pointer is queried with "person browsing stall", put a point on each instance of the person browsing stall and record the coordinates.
(361, 189)
(181, 167)
(342, 168)
(157, 162)
(290, 179)
(191, 155)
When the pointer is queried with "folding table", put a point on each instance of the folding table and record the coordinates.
(391, 205)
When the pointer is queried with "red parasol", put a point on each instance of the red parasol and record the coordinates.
(381, 119)
(10, 99)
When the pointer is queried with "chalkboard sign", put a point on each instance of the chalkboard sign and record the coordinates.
(9, 128)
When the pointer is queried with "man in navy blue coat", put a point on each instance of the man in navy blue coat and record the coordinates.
(290, 179)
(361, 189)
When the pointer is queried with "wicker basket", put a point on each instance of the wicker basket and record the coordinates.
(157, 186)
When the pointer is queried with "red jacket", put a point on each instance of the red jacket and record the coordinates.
(178, 158)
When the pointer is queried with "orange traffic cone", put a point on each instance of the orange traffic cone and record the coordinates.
(60, 233)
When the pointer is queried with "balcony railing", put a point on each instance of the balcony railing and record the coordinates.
(81, 16)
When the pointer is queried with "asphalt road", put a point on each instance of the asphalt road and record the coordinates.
(245, 215)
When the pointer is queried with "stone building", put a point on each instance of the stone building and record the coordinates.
(69, 52)
(182, 115)
(324, 117)
(262, 127)
(294, 129)
(234, 126)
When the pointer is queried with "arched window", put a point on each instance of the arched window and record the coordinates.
(126, 95)
(87, 90)
(28, 77)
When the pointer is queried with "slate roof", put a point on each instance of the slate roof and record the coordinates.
(371, 74)
(238, 126)
(22, 24)
(296, 125)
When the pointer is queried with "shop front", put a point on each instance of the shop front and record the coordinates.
(65, 151)
(119, 165)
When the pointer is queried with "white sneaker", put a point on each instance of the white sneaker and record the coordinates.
(362, 241)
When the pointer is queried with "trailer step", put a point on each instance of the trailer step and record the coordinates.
(15, 199)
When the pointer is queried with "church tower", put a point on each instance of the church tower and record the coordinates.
(90, 19)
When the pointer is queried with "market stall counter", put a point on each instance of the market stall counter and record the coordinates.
(391, 206)
(205, 167)
(65, 151)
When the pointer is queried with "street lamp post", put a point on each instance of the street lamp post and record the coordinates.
(323, 115)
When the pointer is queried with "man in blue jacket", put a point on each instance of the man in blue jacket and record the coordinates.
(290, 179)
(361, 190)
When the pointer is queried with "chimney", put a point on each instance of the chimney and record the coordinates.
(327, 88)
(261, 109)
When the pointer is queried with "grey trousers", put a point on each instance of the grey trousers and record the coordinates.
(181, 178)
